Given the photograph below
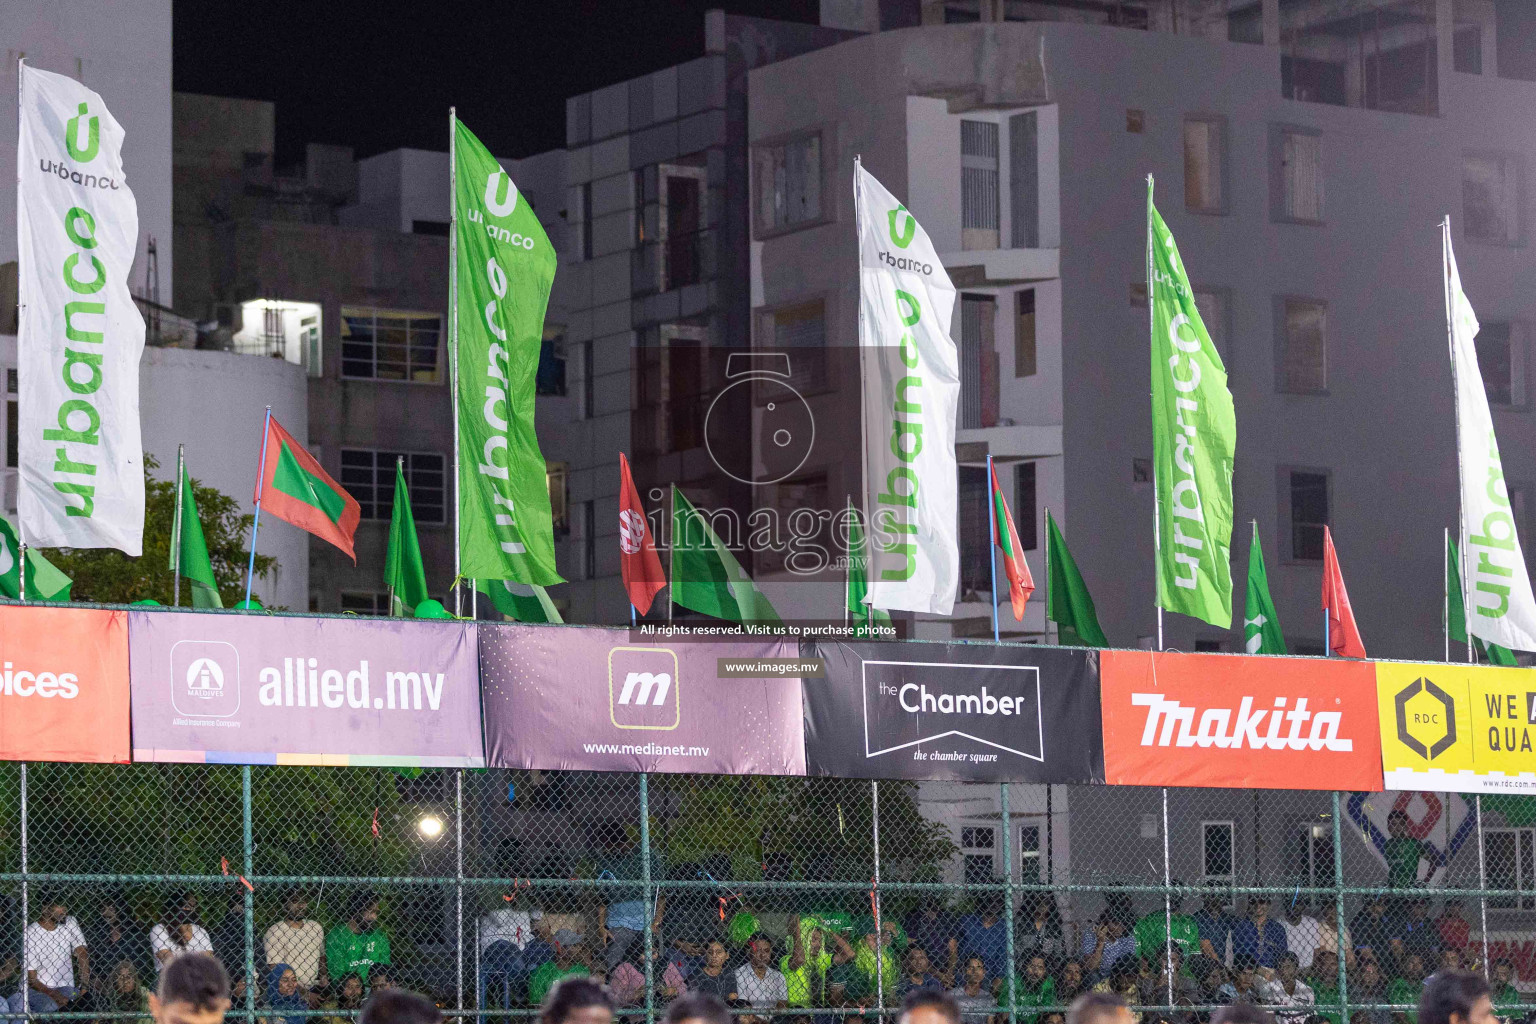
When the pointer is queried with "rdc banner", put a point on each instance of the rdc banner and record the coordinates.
(240, 689)
(968, 712)
(80, 335)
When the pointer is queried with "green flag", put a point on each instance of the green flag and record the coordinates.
(1194, 439)
(188, 544)
(502, 270)
(44, 582)
(1261, 626)
(706, 576)
(402, 562)
(860, 613)
(1070, 605)
(521, 602)
(1458, 613)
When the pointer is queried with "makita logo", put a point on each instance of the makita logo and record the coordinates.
(640, 686)
(1280, 728)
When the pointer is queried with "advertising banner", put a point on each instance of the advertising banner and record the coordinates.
(1441, 823)
(63, 685)
(954, 711)
(1239, 722)
(1457, 728)
(593, 699)
(249, 689)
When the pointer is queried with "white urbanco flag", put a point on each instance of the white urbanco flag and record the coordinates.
(80, 338)
(911, 389)
(1500, 608)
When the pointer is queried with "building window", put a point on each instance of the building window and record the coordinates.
(1467, 49)
(1303, 347)
(549, 379)
(1029, 854)
(1490, 197)
(1208, 645)
(382, 344)
(800, 332)
(1213, 305)
(369, 476)
(978, 185)
(1308, 858)
(682, 222)
(588, 540)
(975, 534)
(1205, 165)
(586, 220)
(360, 603)
(1025, 505)
(788, 183)
(1308, 490)
(556, 475)
(1300, 174)
(587, 396)
(1501, 359)
(978, 361)
(1218, 846)
(1024, 359)
(978, 845)
(1024, 179)
(1511, 859)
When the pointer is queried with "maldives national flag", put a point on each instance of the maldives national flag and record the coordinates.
(1020, 583)
(294, 488)
(638, 560)
(1343, 635)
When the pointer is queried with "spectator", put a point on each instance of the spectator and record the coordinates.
(1214, 926)
(1184, 984)
(1258, 935)
(626, 985)
(1416, 933)
(227, 935)
(1454, 930)
(1099, 1008)
(569, 959)
(711, 978)
(358, 944)
(697, 1009)
(1215, 985)
(923, 1006)
(1372, 928)
(1070, 982)
(888, 969)
(1245, 978)
(124, 995)
(54, 947)
(917, 977)
(805, 966)
(1151, 931)
(1456, 999)
(1324, 980)
(116, 937)
(349, 999)
(1037, 988)
(513, 942)
(757, 984)
(1037, 929)
(984, 934)
(297, 941)
(178, 932)
(401, 1008)
(379, 979)
(1368, 986)
(1406, 987)
(576, 1001)
(1303, 932)
(1283, 987)
(934, 929)
(1242, 1013)
(972, 995)
(193, 989)
(1106, 945)
(622, 921)
(284, 996)
(1403, 853)
(1503, 991)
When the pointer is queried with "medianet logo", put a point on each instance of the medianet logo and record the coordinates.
(643, 687)
(1287, 728)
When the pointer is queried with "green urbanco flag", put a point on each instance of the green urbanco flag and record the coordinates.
(521, 602)
(1458, 613)
(1194, 440)
(1261, 626)
(502, 270)
(44, 581)
(1068, 602)
(706, 576)
(403, 570)
(858, 576)
(188, 543)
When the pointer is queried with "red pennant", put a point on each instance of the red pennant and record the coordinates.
(1020, 583)
(1343, 634)
(375, 823)
(638, 561)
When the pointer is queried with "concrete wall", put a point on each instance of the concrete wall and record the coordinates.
(121, 49)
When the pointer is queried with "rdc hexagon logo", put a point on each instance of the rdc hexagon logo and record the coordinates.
(1426, 718)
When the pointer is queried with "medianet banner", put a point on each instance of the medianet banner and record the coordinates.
(256, 689)
(969, 712)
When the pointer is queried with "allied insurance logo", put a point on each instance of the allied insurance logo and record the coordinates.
(1426, 718)
(908, 703)
(205, 678)
(643, 688)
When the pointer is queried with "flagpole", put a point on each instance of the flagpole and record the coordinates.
(867, 526)
(453, 338)
(992, 549)
(21, 304)
(181, 463)
(1461, 512)
(1446, 573)
(261, 479)
(672, 553)
(1157, 528)
(1045, 623)
(848, 570)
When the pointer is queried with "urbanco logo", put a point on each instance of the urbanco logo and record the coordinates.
(205, 678)
(644, 688)
(83, 152)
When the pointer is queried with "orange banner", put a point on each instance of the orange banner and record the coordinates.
(1239, 722)
(63, 684)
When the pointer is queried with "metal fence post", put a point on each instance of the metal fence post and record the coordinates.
(647, 896)
(250, 904)
(26, 1001)
(1167, 904)
(1008, 906)
(874, 812)
(458, 941)
(1482, 880)
(1338, 911)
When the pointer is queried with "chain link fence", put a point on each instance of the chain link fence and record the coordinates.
(799, 900)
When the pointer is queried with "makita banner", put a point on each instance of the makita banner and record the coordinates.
(257, 689)
(592, 699)
(63, 684)
(1239, 722)
(1457, 728)
(968, 712)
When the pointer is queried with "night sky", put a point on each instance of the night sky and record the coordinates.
(340, 72)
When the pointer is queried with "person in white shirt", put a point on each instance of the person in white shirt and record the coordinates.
(54, 945)
(299, 943)
(757, 984)
(1281, 987)
(178, 933)
(1303, 932)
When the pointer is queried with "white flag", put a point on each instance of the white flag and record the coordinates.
(1500, 608)
(911, 389)
(80, 338)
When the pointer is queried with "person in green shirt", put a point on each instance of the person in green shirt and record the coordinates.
(1407, 987)
(1403, 853)
(1037, 988)
(1323, 977)
(570, 958)
(1150, 931)
(805, 968)
(358, 945)
(1504, 991)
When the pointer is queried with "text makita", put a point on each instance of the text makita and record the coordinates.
(1293, 728)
